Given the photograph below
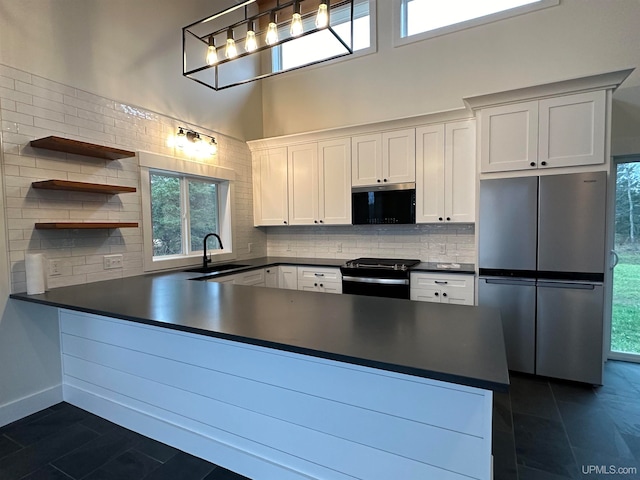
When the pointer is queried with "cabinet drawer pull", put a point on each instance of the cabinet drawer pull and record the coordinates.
(441, 282)
(319, 274)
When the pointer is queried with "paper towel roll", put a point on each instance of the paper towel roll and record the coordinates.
(34, 264)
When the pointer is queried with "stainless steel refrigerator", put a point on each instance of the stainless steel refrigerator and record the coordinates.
(541, 261)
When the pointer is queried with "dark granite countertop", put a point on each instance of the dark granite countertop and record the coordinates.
(452, 343)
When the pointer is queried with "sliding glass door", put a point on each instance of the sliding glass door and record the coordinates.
(625, 315)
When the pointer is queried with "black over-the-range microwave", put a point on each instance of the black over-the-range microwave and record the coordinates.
(384, 204)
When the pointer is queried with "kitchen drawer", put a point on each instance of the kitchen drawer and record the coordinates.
(319, 285)
(319, 273)
(443, 288)
(253, 277)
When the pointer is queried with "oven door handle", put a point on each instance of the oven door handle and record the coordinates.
(381, 281)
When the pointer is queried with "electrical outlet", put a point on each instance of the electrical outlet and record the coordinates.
(339, 247)
(250, 247)
(112, 261)
(443, 249)
(288, 247)
(54, 267)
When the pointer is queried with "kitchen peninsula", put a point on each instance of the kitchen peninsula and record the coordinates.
(286, 384)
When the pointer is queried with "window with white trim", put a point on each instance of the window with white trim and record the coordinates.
(314, 48)
(420, 19)
(182, 202)
(183, 210)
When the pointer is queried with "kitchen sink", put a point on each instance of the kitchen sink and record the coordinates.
(217, 268)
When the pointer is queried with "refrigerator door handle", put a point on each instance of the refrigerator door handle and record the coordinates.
(511, 281)
(573, 285)
(616, 259)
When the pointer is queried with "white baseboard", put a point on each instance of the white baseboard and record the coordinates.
(17, 409)
(187, 440)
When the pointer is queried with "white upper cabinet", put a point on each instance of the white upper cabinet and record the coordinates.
(509, 137)
(572, 130)
(303, 184)
(554, 132)
(320, 183)
(384, 158)
(334, 177)
(445, 173)
(270, 206)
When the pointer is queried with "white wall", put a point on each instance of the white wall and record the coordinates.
(130, 51)
(575, 39)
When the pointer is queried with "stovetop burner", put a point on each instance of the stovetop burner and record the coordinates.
(382, 263)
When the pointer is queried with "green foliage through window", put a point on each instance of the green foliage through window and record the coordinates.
(183, 211)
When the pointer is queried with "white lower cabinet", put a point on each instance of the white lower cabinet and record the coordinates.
(443, 288)
(317, 279)
(271, 277)
(314, 279)
(255, 278)
(288, 277)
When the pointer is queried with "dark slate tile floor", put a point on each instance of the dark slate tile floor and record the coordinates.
(564, 430)
(542, 430)
(66, 443)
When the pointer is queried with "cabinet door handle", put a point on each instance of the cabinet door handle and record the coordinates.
(378, 180)
(315, 284)
(321, 221)
(448, 219)
(441, 282)
(543, 163)
(533, 164)
(444, 294)
(436, 294)
(440, 218)
(285, 222)
(322, 285)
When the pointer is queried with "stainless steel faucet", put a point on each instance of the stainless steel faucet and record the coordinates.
(206, 259)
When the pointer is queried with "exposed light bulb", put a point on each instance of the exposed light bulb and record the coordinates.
(181, 139)
(230, 50)
(322, 18)
(213, 146)
(272, 31)
(296, 21)
(250, 43)
(212, 54)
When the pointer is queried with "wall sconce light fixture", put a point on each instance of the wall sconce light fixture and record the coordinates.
(195, 143)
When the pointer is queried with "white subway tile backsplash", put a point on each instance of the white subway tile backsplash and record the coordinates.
(54, 106)
(35, 107)
(38, 91)
(424, 242)
(53, 86)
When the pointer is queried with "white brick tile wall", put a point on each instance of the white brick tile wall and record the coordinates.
(33, 107)
(424, 242)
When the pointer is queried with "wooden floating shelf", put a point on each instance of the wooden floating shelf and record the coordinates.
(84, 225)
(77, 147)
(82, 187)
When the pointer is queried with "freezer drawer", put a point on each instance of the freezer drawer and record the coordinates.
(516, 300)
(570, 330)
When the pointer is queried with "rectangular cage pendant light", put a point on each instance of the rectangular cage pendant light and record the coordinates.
(260, 38)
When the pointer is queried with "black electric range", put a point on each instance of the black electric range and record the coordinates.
(377, 277)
